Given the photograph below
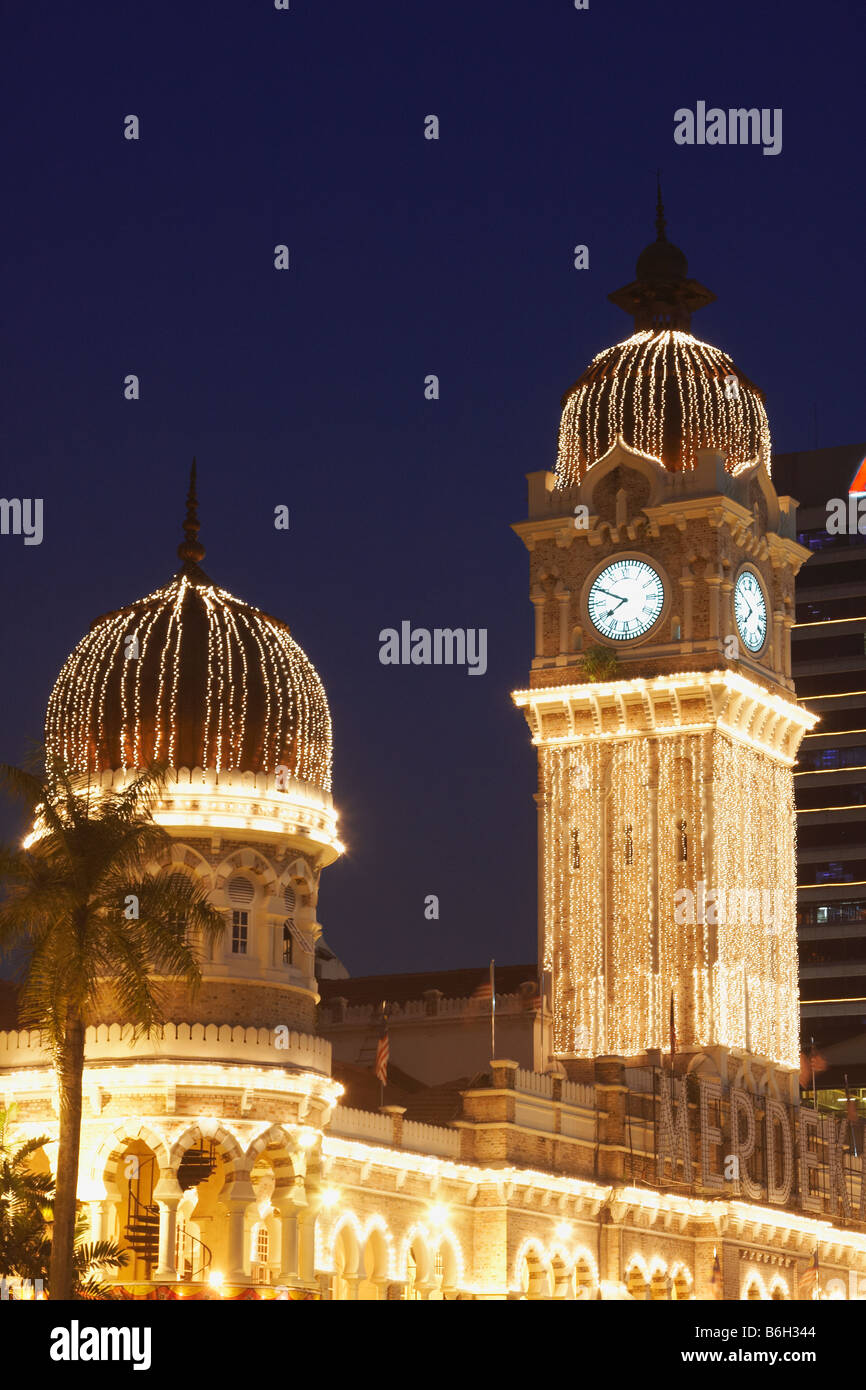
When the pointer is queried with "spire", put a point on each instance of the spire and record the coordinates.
(190, 550)
(660, 209)
(661, 296)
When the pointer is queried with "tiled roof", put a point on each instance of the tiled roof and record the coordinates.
(430, 1105)
(454, 984)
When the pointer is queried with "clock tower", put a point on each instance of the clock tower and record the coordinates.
(660, 698)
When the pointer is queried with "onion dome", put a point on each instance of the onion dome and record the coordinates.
(662, 392)
(191, 676)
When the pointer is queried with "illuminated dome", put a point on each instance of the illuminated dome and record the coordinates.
(191, 677)
(662, 391)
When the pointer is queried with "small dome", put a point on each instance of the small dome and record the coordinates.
(665, 394)
(191, 676)
(661, 261)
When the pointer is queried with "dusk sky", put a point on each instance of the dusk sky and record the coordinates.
(305, 387)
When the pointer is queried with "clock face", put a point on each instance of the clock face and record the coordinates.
(626, 599)
(750, 611)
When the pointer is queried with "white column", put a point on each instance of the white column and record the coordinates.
(288, 1214)
(166, 1271)
(236, 1273)
(307, 1239)
(563, 598)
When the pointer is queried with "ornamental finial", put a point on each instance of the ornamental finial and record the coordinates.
(660, 209)
(191, 550)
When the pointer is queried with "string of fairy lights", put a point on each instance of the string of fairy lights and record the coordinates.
(631, 390)
(755, 844)
(632, 982)
(627, 826)
(116, 702)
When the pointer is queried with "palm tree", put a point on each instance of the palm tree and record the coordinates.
(99, 930)
(24, 1198)
(26, 1202)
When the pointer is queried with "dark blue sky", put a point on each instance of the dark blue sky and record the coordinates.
(306, 388)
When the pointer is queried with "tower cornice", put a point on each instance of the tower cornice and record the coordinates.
(705, 702)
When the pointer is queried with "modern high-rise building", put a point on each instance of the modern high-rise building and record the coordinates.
(829, 669)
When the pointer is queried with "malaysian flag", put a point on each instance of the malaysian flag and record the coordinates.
(383, 1053)
(811, 1065)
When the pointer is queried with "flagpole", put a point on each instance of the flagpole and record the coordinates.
(492, 1011)
(849, 1104)
(814, 1081)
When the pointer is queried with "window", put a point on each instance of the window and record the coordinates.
(240, 927)
(263, 1245)
(575, 849)
(682, 842)
(287, 943)
(629, 846)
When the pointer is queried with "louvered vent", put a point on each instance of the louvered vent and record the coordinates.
(241, 892)
(289, 898)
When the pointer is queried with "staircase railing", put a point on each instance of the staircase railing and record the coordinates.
(192, 1257)
(142, 1228)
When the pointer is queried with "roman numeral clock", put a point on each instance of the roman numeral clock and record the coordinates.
(626, 599)
(660, 700)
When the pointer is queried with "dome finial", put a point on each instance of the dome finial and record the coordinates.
(660, 208)
(190, 550)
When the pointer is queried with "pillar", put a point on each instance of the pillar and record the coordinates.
(166, 1272)
(538, 598)
(307, 1239)
(288, 1214)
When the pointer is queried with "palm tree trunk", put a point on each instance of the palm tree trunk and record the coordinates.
(70, 1070)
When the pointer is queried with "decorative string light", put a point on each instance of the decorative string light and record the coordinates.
(572, 805)
(663, 393)
(612, 942)
(259, 702)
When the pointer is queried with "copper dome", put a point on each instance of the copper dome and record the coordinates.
(666, 394)
(662, 391)
(191, 676)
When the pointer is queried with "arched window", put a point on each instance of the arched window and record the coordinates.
(240, 894)
(583, 1281)
(636, 1282)
(535, 1277)
(659, 1285)
(682, 842)
(178, 922)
